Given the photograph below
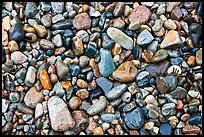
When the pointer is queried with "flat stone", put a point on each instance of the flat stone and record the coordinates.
(171, 5)
(30, 10)
(104, 83)
(165, 129)
(126, 72)
(6, 23)
(160, 55)
(59, 114)
(30, 76)
(171, 82)
(116, 92)
(119, 37)
(145, 37)
(179, 93)
(46, 44)
(58, 89)
(134, 26)
(16, 32)
(169, 24)
(171, 39)
(57, 7)
(33, 97)
(108, 117)
(57, 40)
(46, 20)
(62, 69)
(82, 21)
(57, 18)
(134, 119)
(191, 129)
(141, 75)
(24, 109)
(176, 13)
(74, 102)
(158, 68)
(98, 106)
(153, 46)
(141, 13)
(62, 25)
(18, 57)
(195, 119)
(38, 110)
(119, 8)
(162, 85)
(106, 64)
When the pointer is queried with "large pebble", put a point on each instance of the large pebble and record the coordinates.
(171, 39)
(134, 119)
(179, 93)
(145, 37)
(119, 37)
(30, 76)
(46, 44)
(116, 92)
(82, 21)
(46, 20)
(57, 7)
(60, 116)
(165, 129)
(16, 32)
(98, 106)
(140, 13)
(30, 10)
(104, 83)
(191, 129)
(18, 57)
(33, 97)
(126, 72)
(106, 64)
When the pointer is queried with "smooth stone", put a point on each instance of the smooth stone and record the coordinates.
(195, 28)
(68, 33)
(171, 39)
(45, 80)
(16, 32)
(62, 25)
(91, 50)
(160, 55)
(141, 75)
(46, 44)
(168, 108)
(174, 53)
(108, 117)
(74, 69)
(119, 8)
(162, 85)
(82, 21)
(38, 110)
(158, 68)
(83, 35)
(18, 57)
(199, 57)
(134, 119)
(126, 72)
(45, 6)
(33, 97)
(62, 69)
(153, 46)
(116, 92)
(176, 61)
(176, 13)
(153, 114)
(83, 61)
(157, 25)
(83, 94)
(30, 76)
(126, 97)
(134, 26)
(141, 13)
(150, 99)
(57, 18)
(106, 64)
(74, 102)
(59, 89)
(104, 84)
(179, 93)
(60, 116)
(161, 9)
(191, 129)
(30, 10)
(195, 119)
(24, 109)
(165, 129)
(77, 47)
(145, 37)
(98, 106)
(102, 20)
(96, 93)
(57, 40)
(107, 43)
(171, 82)
(119, 37)
(57, 7)
(193, 93)
(143, 83)
(169, 24)
(171, 5)
(5, 105)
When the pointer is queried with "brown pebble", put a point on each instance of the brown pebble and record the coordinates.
(4, 38)
(6, 23)
(191, 129)
(185, 117)
(53, 78)
(74, 102)
(82, 83)
(191, 60)
(13, 46)
(41, 30)
(111, 131)
(109, 109)
(85, 7)
(29, 29)
(176, 13)
(98, 131)
(133, 132)
(82, 93)
(82, 21)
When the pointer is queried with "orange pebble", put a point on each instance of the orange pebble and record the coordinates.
(179, 105)
(45, 80)
(85, 8)
(191, 60)
(98, 131)
(66, 84)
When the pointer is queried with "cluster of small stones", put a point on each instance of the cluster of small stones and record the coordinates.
(102, 68)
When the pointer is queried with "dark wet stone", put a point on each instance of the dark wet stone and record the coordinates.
(102, 20)
(195, 119)
(144, 132)
(143, 83)
(165, 129)
(196, 39)
(16, 32)
(193, 109)
(96, 93)
(179, 93)
(195, 28)
(109, 15)
(49, 52)
(172, 82)
(185, 48)
(66, 24)
(91, 50)
(158, 68)
(107, 43)
(104, 83)
(135, 52)
(30, 10)
(24, 109)
(199, 10)
(134, 119)
(120, 106)
(68, 33)
(74, 69)
(152, 81)
(67, 42)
